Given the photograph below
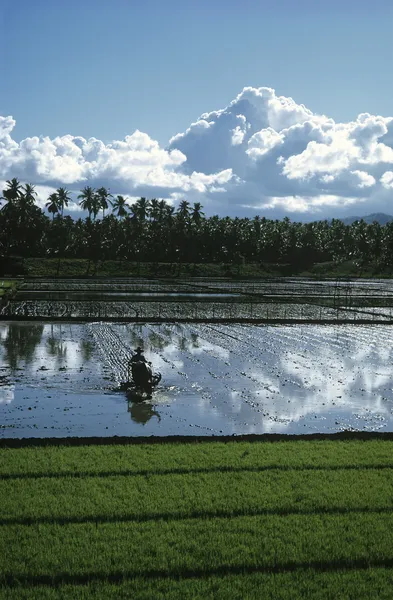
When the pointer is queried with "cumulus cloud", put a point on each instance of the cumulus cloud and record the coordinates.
(365, 179)
(135, 162)
(292, 161)
(263, 141)
(261, 153)
(387, 179)
(304, 204)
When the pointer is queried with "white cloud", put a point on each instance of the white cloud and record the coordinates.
(133, 162)
(261, 152)
(365, 179)
(263, 141)
(237, 135)
(327, 178)
(387, 179)
(319, 158)
(299, 204)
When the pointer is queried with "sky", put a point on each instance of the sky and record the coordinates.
(259, 107)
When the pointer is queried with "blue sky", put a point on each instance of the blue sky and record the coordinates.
(104, 68)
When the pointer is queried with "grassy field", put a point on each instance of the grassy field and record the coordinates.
(288, 519)
(46, 267)
(75, 267)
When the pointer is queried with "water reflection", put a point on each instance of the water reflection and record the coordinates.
(156, 341)
(56, 346)
(52, 347)
(142, 412)
(282, 379)
(87, 348)
(7, 393)
(136, 336)
(20, 343)
(215, 378)
(353, 377)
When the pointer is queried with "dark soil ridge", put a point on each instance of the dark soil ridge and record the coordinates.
(172, 319)
(189, 439)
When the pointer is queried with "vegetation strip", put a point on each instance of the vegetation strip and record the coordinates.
(192, 439)
(116, 577)
(181, 496)
(149, 228)
(202, 515)
(216, 454)
(174, 547)
(275, 586)
(306, 583)
(168, 472)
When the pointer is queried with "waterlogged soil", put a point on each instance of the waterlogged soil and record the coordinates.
(191, 310)
(274, 300)
(61, 380)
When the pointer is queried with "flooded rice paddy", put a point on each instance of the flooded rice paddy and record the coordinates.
(269, 300)
(60, 379)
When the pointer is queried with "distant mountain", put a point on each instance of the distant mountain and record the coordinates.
(381, 218)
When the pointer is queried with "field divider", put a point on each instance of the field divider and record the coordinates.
(196, 471)
(18, 581)
(197, 515)
(121, 318)
(194, 515)
(74, 441)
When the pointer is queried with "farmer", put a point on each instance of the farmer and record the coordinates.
(134, 370)
(138, 356)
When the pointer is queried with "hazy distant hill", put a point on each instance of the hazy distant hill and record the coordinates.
(381, 218)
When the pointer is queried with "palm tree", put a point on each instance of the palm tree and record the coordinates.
(120, 207)
(63, 197)
(87, 200)
(27, 196)
(103, 196)
(169, 213)
(12, 193)
(154, 210)
(143, 206)
(162, 210)
(53, 204)
(26, 203)
(183, 211)
(140, 210)
(197, 214)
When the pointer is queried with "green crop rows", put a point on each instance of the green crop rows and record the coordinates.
(203, 520)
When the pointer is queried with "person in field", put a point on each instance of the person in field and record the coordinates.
(138, 356)
(139, 369)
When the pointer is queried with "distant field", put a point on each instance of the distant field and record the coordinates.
(75, 267)
(203, 520)
(5, 285)
(266, 299)
(79, 267)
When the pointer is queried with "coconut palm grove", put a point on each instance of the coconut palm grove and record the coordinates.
(152, 229)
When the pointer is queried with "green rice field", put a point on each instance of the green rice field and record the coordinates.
(214, 519)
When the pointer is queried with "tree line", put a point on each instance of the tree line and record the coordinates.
(154, 231)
